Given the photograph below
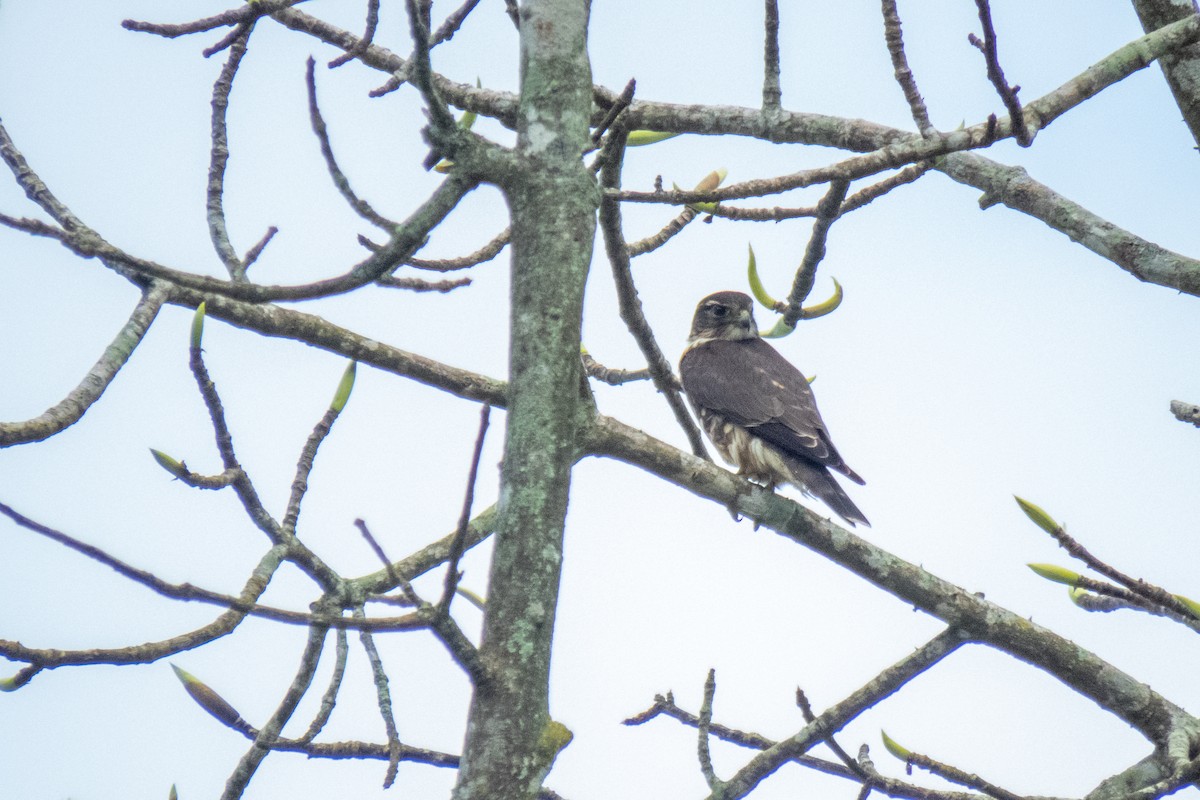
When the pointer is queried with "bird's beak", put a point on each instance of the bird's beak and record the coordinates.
(745, 319)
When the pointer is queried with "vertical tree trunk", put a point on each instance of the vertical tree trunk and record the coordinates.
(553, 198)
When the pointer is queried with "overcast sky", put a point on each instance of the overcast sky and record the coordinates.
(977, 354)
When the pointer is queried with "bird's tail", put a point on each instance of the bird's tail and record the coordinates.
(816, 480)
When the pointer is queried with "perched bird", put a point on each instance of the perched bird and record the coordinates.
(757, 408)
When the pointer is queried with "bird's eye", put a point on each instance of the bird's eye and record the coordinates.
(720, 311)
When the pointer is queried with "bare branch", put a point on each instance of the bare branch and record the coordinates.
(894, 37)
(827, 213)
(236, 785)
(485, 253)
(418, 285)
(772, 94)
(383, 696)
(1008, 94)
(360, 206)
(452, 23)
(630, 304)
(613, 377)
(1186, 412)
(236, 16)
(464, 519)
(71, 408)
(367, 37)
(219, 155)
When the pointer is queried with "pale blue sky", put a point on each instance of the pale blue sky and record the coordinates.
(978, 354)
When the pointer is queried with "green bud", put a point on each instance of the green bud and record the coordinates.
(198, 325)
(1191, 604)
(756, 286)
(827, 307)
(780, 330)
(172, 466)
(1038, 515)
(209, 700)
(893, 747)
(172, 795)
(1053, 572)
(8, 684)
(1076, 595)
(640, 138)
(344, 388)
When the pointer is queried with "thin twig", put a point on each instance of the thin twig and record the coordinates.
(893, 35)
(452, 23)
(613, 377)
(614, 111)
(1008, 94)
(235, 786)
(827, 213)
(365, 40)
(246, 13)
(807, 712)
(329, 699)
(772, 94)
(360, 206)
(383, 696)
(460, 534)
(71, 408)
(219, 155)
(485, 253)
(657, 240)
(961, 777)
(254, 252)
(441, 121)
(418, 285)
(878, 189)
(702, 748)
(630, 304)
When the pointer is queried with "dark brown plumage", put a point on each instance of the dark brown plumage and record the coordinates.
(757, 408)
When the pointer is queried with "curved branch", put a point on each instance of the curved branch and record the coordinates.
(71, 408)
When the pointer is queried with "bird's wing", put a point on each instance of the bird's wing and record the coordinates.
(751, 384)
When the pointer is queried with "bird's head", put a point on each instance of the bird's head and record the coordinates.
(724, 315)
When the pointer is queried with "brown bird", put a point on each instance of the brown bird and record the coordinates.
(757, 408)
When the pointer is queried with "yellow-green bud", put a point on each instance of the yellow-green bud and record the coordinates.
(640, 138)
(344, 388)
(756, 286)
(893, 747)
(827, 307)
(1191, 604)
(1038, 515)
(172, 466)
(173, 794)
(198, 325)
(209, 700)
(8, 684)
(1053, 572)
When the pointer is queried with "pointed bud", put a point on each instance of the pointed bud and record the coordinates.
(172, 795)
(893, 747)
(344, 388)
(641, 138)
(198, 325)
(172, 466)
(471, 597)
(444, 166)
(210, 701)
(1053, 572)
(756, 286)
(1191, 604)
(827, 307)
(1077, 595)
(778, 331)
(711, 181)
(1038, 515)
